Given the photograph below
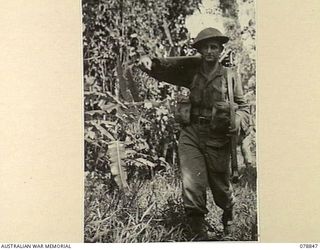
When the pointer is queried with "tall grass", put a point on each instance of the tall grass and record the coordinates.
(153, 211)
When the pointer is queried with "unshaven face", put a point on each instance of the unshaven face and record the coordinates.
(210, 50)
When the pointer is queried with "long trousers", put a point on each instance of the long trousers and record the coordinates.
(245, 143)
(204, 162)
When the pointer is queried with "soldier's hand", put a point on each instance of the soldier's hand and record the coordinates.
(146, 62)
(236, 129)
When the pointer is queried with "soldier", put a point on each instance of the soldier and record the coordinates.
(204, 143)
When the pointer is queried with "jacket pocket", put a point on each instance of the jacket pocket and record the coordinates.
(220, 122)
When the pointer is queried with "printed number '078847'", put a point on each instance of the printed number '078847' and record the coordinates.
(305, 245)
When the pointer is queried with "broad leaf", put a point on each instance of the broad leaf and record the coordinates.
(116, 153)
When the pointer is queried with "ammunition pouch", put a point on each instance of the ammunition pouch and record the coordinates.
(220, 114)
(183, 110)
(220, 121)
(224, 106)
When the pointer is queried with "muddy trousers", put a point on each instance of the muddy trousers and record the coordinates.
(204, 165)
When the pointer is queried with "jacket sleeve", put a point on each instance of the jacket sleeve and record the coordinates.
(174, 70)
(244, 110)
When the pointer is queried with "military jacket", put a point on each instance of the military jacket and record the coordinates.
(208, 93)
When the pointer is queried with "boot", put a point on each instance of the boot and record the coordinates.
(227, 218)
(198, 228)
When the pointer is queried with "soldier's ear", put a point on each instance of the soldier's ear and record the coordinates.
(221, 47)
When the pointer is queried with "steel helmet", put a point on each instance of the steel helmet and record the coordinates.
(209, 33)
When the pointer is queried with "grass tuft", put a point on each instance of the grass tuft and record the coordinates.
(153, 211)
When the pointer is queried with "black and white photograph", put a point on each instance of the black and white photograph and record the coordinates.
(169, 98)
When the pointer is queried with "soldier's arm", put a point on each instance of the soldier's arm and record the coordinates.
(243, 112)
(174, 70)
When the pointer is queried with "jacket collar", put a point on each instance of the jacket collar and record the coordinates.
(218, 72)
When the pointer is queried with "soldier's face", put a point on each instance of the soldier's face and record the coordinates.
(210, 50)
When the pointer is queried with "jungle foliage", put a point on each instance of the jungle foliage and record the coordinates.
(132, 182)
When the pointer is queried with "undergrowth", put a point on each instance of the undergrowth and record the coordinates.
(152, 210)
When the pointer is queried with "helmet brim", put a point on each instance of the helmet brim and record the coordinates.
(221, 39)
